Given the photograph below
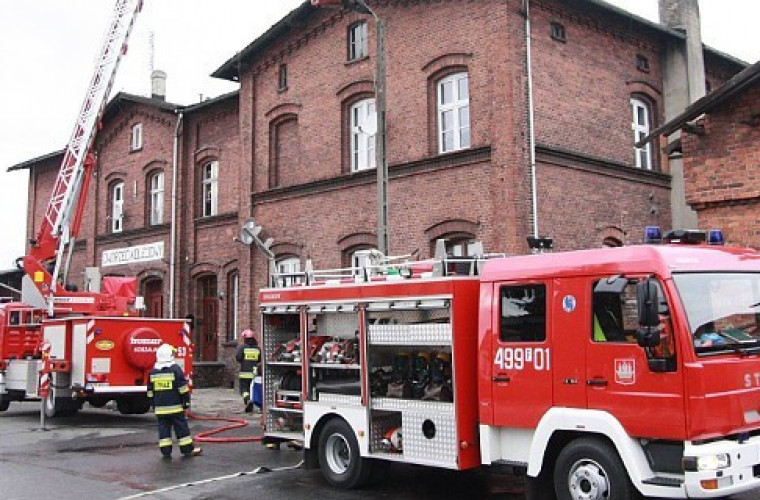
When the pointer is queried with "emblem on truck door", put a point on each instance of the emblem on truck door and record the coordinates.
(625, 371)
(568, 303)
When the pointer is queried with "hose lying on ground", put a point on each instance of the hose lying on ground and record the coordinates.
(235, 423)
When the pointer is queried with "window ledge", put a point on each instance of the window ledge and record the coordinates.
(213, 220)
(356, 61)
(135, 150)
(282, 90)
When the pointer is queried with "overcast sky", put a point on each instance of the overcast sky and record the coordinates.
(48, 47)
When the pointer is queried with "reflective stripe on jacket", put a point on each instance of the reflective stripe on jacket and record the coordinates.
(169, 390)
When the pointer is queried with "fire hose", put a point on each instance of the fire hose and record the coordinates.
(234, 423)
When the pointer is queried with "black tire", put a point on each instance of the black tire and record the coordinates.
(98, 402)
(133, 405)
(59, 407)
(4, 404)
(339, 459)
(592, 468)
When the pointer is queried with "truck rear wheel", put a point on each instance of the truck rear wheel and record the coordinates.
(590, 469)
(4, 404)
(59, 407)
(339, 458)
(133, 405)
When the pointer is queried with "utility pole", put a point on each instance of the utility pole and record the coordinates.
(381, 159)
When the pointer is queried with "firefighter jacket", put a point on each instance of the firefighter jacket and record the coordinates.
(249, 358)
(168, 390)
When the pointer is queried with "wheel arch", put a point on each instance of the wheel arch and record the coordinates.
(560, 426)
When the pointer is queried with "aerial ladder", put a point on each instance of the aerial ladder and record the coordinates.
(47, 262)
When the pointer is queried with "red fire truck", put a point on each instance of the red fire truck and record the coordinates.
(67, 346)
(602, 373)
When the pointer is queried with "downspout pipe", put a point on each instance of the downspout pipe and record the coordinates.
(531, 120)
(173, 238)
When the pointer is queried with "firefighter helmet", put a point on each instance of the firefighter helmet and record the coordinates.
(247, 334)
(165, 354)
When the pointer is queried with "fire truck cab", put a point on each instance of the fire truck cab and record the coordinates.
(601, 373)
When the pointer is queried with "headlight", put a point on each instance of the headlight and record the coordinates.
(707, 462)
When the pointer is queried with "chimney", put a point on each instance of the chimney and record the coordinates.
(683, 16)
(158, 85)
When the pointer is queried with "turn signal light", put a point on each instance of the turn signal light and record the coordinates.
(709, 484)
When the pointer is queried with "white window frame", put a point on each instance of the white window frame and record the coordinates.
(288, 265)
(358, 41)
(362, 143)
(642, 157)
(234, 302)
(117, 207)
(459, 110)
(136, 140)
(210, 189)
(156, 198)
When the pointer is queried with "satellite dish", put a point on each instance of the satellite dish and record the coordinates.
(249, 231)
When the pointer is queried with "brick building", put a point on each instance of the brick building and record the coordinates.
(294, 148)
(721, 150)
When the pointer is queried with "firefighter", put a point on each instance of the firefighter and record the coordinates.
(170, 396)
(249, 357)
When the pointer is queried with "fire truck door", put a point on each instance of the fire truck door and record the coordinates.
(619, 379)
(521, 356)
(568, 337)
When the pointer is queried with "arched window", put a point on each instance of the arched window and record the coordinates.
(363, 127)
(287, 266)
(156, 198)
(117, 206)
(209, 188)
(453, 112)
(641, 126)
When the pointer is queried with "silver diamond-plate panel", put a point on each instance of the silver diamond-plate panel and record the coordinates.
(392, 404)
(379, 425)
(344, 325)
(441, 448)
(340, 399)
(278, 328)
(420, 334)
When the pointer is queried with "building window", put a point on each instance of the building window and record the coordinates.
(641, 126)
(282, 77)
(156, 184)
(210, 188)
(136, 137)
(363, 121)
(453, 113)
(117, 207)
(357, 41)
(233, 305)
(286, 267)
(523, 313)
(461, 247)
(557, 32)
(642, 63)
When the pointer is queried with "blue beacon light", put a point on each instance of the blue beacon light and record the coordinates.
(652, 234)
(715, 237)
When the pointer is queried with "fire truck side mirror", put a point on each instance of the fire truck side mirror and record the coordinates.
(649, 317)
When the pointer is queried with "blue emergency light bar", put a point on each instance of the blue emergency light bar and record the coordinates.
(715, 237)
(652, 234)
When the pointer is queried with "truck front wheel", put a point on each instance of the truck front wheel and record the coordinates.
(590, 469)
(339, 459)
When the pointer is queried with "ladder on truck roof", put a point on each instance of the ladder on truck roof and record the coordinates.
(378, 267)
(64, 211)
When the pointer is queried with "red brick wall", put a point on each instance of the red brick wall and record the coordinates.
(722, 169)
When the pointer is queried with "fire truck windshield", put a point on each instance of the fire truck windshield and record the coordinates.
(723, 310)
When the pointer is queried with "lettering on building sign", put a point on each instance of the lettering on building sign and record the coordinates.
(131, 255)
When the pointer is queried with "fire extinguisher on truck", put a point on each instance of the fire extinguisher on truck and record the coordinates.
(602, 374)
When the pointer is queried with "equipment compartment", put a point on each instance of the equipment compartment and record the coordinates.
(282, 377)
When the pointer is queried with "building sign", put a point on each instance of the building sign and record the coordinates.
(132, 255)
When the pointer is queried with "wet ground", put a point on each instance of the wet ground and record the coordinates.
(100, 454)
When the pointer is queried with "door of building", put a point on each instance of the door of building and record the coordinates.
(154, 298)
(206, 332)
